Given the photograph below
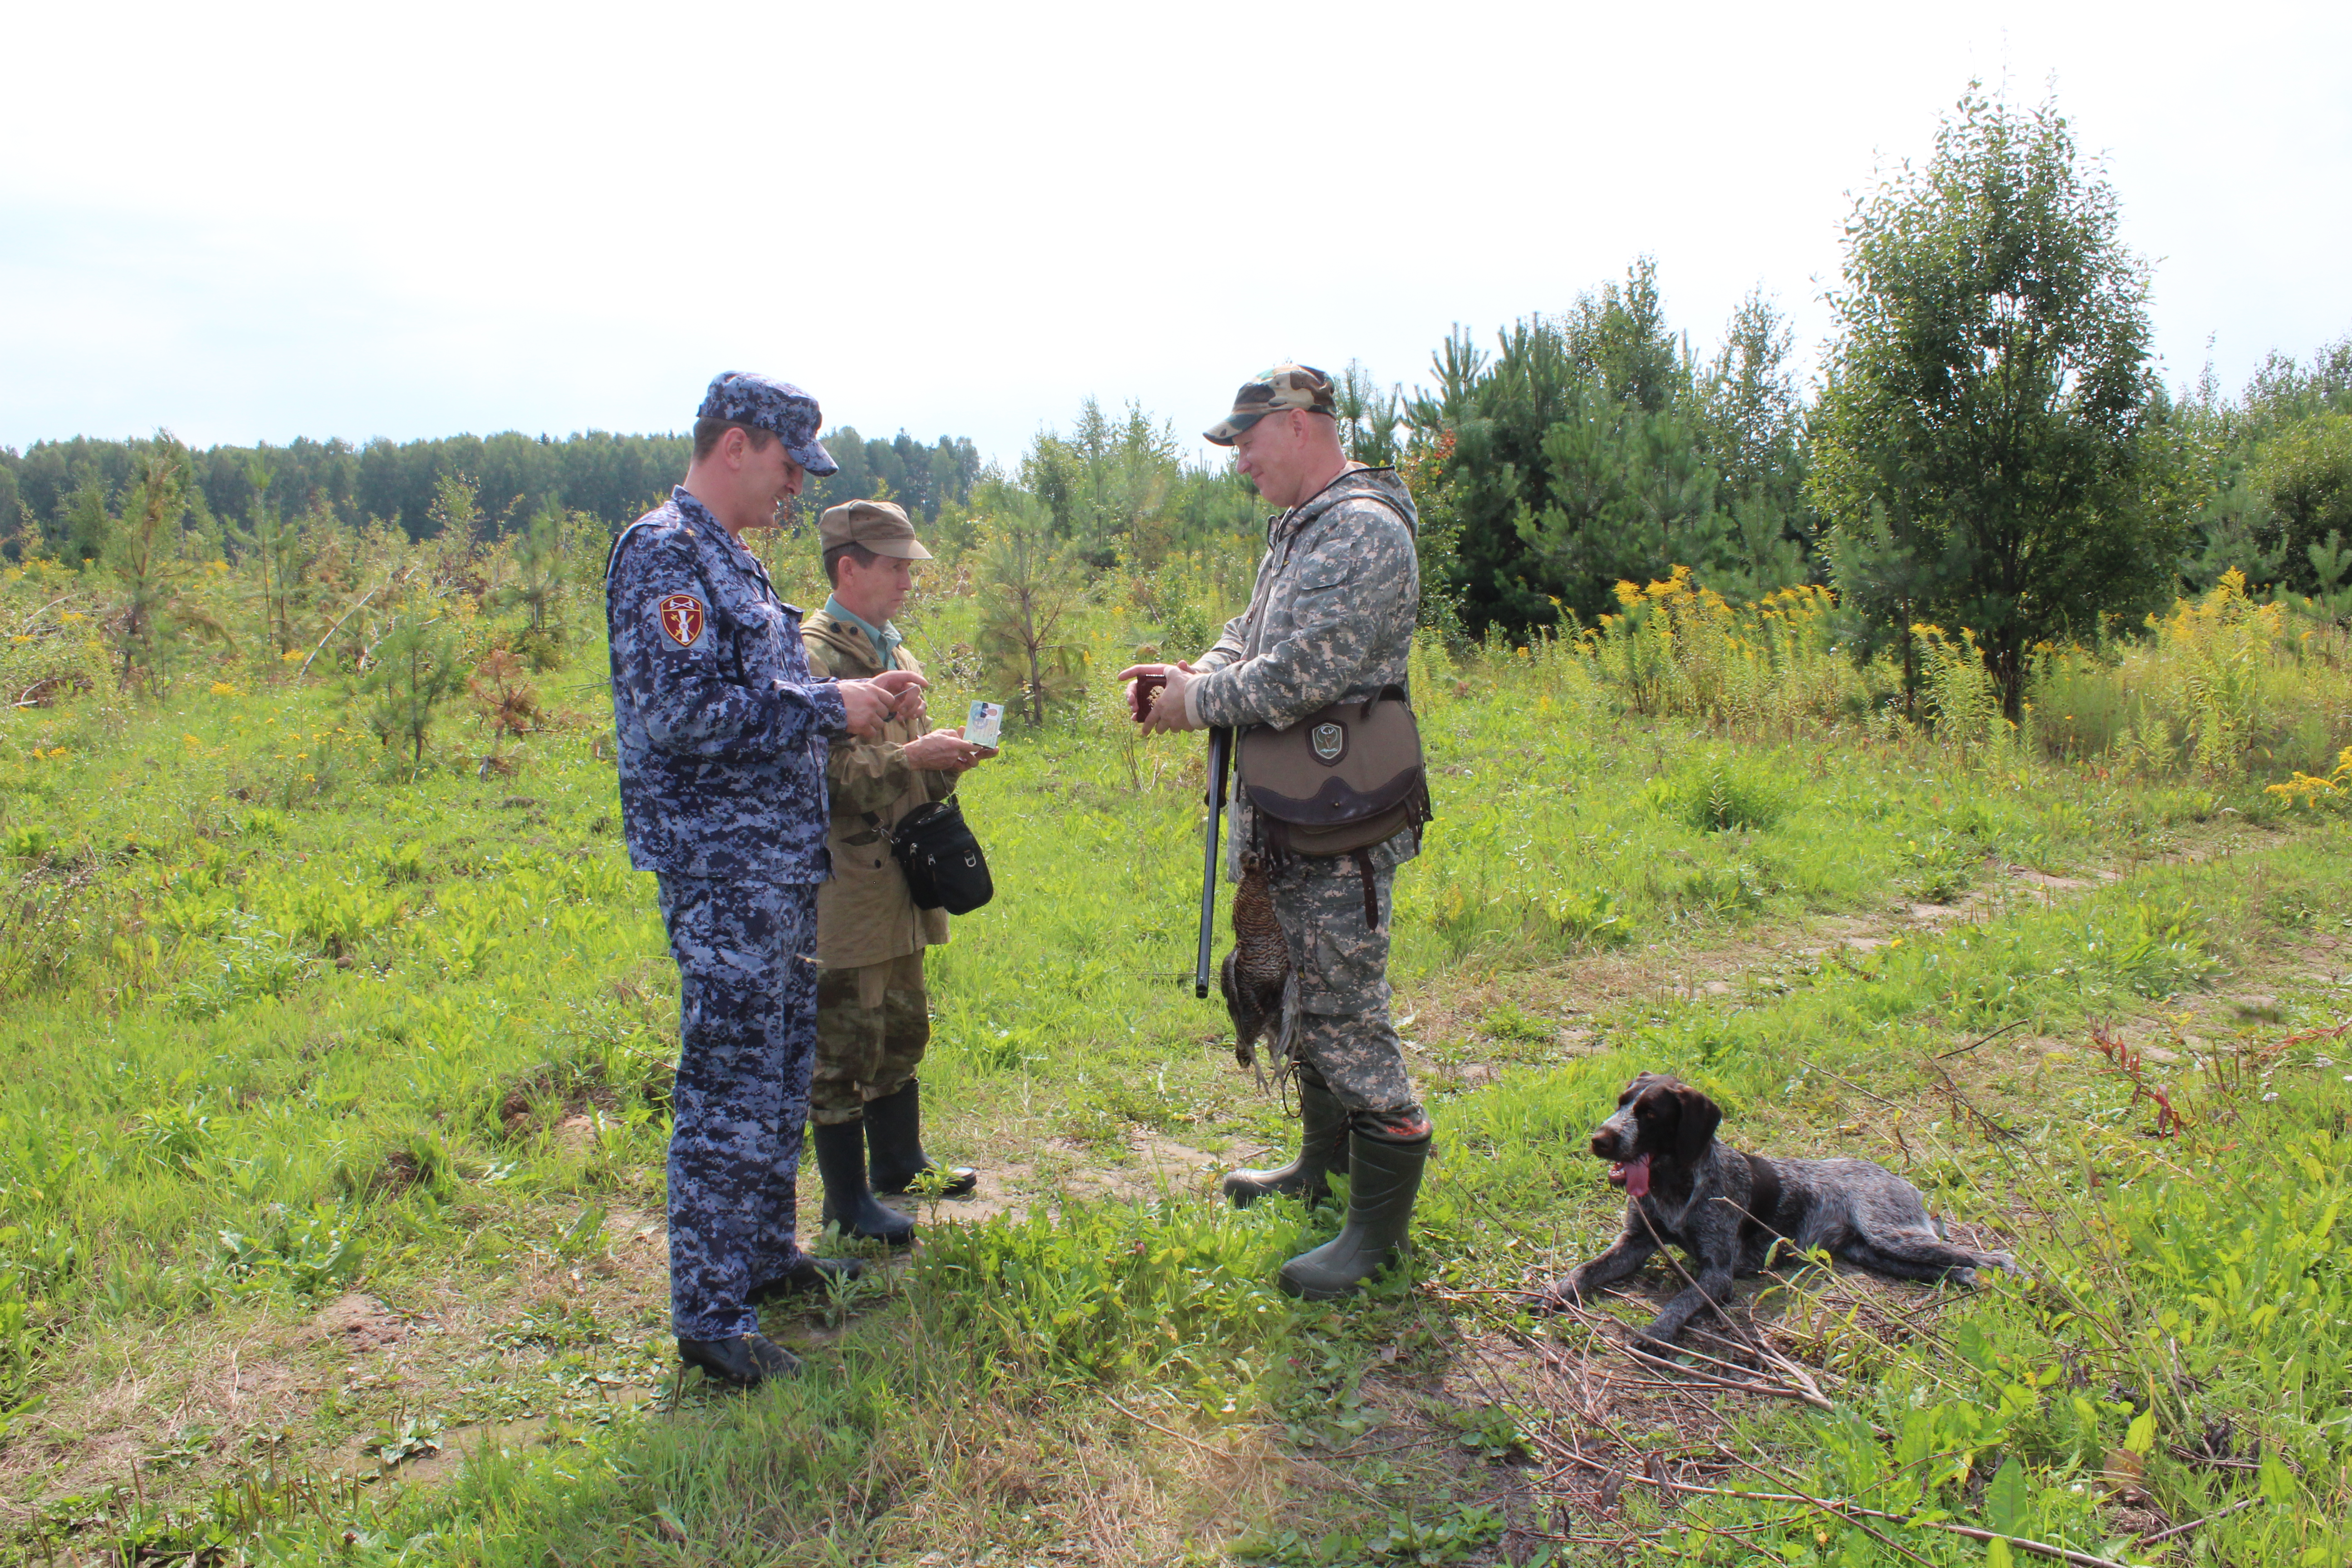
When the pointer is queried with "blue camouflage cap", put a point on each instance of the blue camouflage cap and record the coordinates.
(745, 397)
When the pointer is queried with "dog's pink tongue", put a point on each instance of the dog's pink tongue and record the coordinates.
(1637, 1176)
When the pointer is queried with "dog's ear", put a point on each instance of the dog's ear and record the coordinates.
(1698, 1121)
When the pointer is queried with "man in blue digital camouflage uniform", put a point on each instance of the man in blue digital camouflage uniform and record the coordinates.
(722, 736)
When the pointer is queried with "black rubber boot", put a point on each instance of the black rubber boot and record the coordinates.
(743, 1362)
(1322, 1143)
(894, 1131)
(1383, 1179)
(848, 1201)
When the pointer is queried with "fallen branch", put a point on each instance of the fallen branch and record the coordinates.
(1806, 1393)
(1170, 1431)
(25, 627)
(1851, 1084)
(1986, 1039)
(1854, 1513)
(347, 614)
(2193, 1524)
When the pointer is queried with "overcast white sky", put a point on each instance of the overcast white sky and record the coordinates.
(252, 222)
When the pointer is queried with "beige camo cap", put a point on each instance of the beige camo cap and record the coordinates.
(880, 525)
(1270, 392)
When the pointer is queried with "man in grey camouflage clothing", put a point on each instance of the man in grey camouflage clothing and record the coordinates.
(723, 735)
(1332, 619)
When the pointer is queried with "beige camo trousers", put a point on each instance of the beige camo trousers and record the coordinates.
(872, 1025)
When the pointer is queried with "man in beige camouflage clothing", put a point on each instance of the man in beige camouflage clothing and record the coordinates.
(872, 1018)
(1332, 619)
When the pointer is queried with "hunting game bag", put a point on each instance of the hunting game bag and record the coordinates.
(1339, 781)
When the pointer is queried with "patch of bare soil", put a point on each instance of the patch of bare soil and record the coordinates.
(1155, 1165)
(358, 1323)
(168, 1412)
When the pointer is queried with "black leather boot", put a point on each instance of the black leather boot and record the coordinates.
(743, 1362)
(848, 1201)
(1322, 1143)
(894, 1131)
(1383, 1179)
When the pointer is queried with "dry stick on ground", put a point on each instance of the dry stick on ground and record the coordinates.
(1807, 1388)
(1850, 1083)
(1595, 1321)
(1983, 1040)
(1854, 1513)
(1962, 1102)
(1168, 1431)
(2041, 1548)
(1819, 1299)
(1804, 1387)
(2193, 1524)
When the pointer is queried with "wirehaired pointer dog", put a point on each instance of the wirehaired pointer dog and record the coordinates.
(1727, 1210)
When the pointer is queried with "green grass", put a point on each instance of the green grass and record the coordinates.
(288, 1022)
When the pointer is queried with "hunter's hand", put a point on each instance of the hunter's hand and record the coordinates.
(942, 751)
(907, 686)
(1168, 706)
(871, 703)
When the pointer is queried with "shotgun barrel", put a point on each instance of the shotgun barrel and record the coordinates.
(1220, 750)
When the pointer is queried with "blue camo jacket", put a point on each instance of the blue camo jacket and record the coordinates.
(722, 730)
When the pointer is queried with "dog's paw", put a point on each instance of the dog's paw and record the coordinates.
(1556, 1297)
(2007, 1263)
(1652, 1345)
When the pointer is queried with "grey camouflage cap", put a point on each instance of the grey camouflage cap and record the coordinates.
(745, 397)
(1284, 386)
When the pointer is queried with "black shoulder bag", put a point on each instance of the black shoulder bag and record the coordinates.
(945, 869)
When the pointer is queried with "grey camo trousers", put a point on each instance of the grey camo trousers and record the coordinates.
(1341, 971)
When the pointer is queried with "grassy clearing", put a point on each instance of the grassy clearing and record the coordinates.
(329, 1149)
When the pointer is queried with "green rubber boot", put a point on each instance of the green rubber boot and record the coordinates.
(1383, 1179)
(1322, 1143)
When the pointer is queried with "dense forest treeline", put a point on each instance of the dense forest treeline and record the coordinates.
(613, 477)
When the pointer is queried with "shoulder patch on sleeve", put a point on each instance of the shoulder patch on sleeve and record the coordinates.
(681, 617)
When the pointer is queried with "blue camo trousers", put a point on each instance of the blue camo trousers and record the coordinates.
(746, 954)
